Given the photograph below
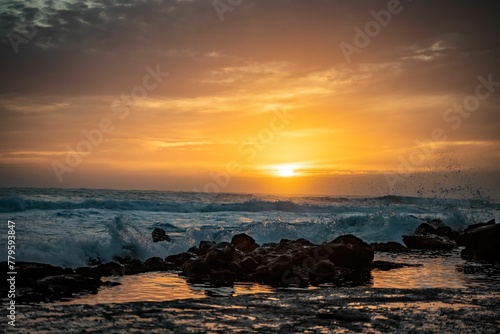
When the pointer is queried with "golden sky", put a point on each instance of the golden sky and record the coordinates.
(316, 96)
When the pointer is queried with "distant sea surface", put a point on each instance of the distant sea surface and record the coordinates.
(67, 227)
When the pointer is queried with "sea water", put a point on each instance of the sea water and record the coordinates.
(69, 227)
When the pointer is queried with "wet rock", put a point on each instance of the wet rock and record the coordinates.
(389, 247)
(386, 265)
(424, 229)
(28, 272)
(195, 268)
(439, 230)
(474, 226)
(135, 267)
(482, 243)
(177, 260)
(349, 251)
(155, 264)
(428, 242)
(204, 247)
(110, 269)
(65, 286)
(249, 264)
(244, 243)
(220, 254)
(345, 261)
(159, 235)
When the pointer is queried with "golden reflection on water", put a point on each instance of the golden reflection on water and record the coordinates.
(161, 286)
(435, 272)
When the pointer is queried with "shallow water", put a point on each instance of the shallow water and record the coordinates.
(438, 270)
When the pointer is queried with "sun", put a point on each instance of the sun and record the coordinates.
(285, 171)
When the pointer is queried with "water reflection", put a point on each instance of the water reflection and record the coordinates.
(438, 270)
(161, 286)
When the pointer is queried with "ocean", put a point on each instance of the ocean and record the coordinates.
(435, 292)
(69, 227)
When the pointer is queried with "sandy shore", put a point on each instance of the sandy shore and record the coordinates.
(326, 310)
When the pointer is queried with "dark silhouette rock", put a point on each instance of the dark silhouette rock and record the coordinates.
(110, 269)
(249, 264)
(220, 254)
(428, 242)
(176, 261)
(159, 235)
(349, 251)
(424, 229)
(474, 226)
(195, 268)
(344, 262)
(439, 230)
(389, 247)
(244, 243)
(482, 243)
(155, 264)
(204, 247)
(386, 265)
(64, 286)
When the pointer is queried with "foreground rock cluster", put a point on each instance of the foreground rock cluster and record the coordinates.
(345, 261)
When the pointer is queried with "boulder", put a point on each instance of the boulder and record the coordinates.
(428, 242)
(474, 226)
(195, 268)
(110, 269)
(155, 264)
(65, 286)
(220, 254)
(244, 243)
(482, 243)
(439, 230)
(389, 247)
(159, 235)
(349, 251)
(177, 260)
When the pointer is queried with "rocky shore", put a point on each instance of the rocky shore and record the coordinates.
(345, 261)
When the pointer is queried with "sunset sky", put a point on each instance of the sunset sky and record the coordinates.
(267, 96)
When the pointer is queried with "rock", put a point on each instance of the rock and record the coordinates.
(220, 254)
(474, 226)
(110, 269)
(135, 267)
(482, 243)
(177, 260)
(155, 264)
(424, 229)
(439, 230)
(386, 265)
(428, 242)
(249, 264)
(244, 243)
(344, 262)
(65, 286)
(204, 247)
(389, 247)
(349, 251)
(159, 235)
(195, 268)
(28, 272)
